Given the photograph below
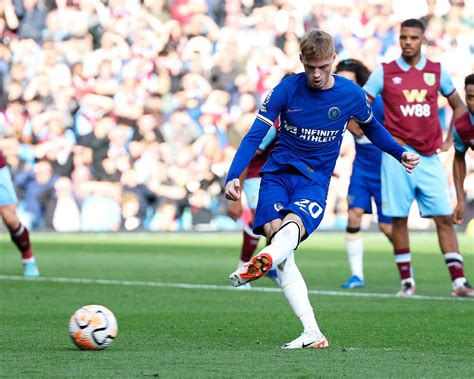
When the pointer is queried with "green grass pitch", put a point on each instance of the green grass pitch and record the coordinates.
(178, 318)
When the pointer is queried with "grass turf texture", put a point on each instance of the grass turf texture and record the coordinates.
(191, 333)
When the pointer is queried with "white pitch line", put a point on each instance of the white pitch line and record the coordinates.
(112, 282)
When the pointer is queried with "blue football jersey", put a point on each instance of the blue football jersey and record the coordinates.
(368, 156)
(312, 126)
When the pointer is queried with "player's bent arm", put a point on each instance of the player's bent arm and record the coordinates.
(381, 138)
(459, 174)
(458, 108)
(457, 105)
(354, 128)
(449, 91)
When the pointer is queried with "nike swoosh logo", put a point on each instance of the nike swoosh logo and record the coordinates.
(304, 345)
(293, 110)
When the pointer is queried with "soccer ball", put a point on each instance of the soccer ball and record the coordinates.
(93, 327)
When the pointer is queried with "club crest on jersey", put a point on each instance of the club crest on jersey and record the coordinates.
(278, 206)
(267, 98)
(397, 80)
(429, 78)
(334, 113)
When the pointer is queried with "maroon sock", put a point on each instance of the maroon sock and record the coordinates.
(403, 260)
(455, 265)
(249, 245)
(21, 238)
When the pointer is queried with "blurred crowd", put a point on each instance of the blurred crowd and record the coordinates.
(125, 114)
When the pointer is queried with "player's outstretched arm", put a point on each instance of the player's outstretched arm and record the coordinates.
(232, 190)
(410, 161)
(381, 138)
(458, 108)
(234, 209)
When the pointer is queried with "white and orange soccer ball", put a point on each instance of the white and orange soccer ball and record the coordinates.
(93, 327)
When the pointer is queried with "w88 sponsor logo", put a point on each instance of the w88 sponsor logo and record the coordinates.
(417, 110)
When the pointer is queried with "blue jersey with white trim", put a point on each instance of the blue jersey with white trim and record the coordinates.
(313, 123)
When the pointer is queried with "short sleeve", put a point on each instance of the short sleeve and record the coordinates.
(446, 84)
(273, 104)
(362, 110)
(374, 85)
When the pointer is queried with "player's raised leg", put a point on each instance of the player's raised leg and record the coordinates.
(249, 245)
(282, 244)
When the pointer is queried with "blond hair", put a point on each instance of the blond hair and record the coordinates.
(317, 44)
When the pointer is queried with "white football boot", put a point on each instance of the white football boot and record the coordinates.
(408, 288)
(462, 288)
(307, 341)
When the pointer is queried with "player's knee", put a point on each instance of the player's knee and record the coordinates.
(386, 229)
(400, 222)
(356, 212)
(444, 221)
(351, 230)
(10, 219)
(289, 231)
(271, 228)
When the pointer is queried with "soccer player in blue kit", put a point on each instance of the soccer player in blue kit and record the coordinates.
(365, 183)
(314, 109)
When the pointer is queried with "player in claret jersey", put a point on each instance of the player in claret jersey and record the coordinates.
(314, 108)
(463, 136)
(409, 87)
(18, 232)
